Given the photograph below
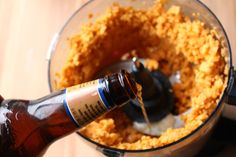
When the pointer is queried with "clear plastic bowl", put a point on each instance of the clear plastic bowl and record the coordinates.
(187, 146)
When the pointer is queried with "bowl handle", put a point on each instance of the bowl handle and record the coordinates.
(230, 103)
(110, 152)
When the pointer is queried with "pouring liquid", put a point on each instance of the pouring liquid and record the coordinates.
(141, 103)
(158, 127)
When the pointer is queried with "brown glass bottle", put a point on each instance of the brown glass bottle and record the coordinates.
(27, 128)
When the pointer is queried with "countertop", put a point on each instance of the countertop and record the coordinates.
(26, 30)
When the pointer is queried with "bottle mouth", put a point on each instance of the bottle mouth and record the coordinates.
(130, 83)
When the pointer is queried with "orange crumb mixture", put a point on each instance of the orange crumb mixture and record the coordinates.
(170, 42)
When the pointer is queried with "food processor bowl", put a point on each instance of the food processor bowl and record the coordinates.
(187, 146)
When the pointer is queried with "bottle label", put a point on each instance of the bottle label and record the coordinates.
(85, 102)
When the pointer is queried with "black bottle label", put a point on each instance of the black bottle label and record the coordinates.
(85, 102)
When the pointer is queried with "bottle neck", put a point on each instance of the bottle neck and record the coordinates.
(86, 102)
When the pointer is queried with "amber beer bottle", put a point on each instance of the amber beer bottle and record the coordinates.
(27, 128)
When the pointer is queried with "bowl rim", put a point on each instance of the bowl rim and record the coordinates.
(218, 107)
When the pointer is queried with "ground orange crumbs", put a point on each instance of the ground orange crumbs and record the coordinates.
(171, 42)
